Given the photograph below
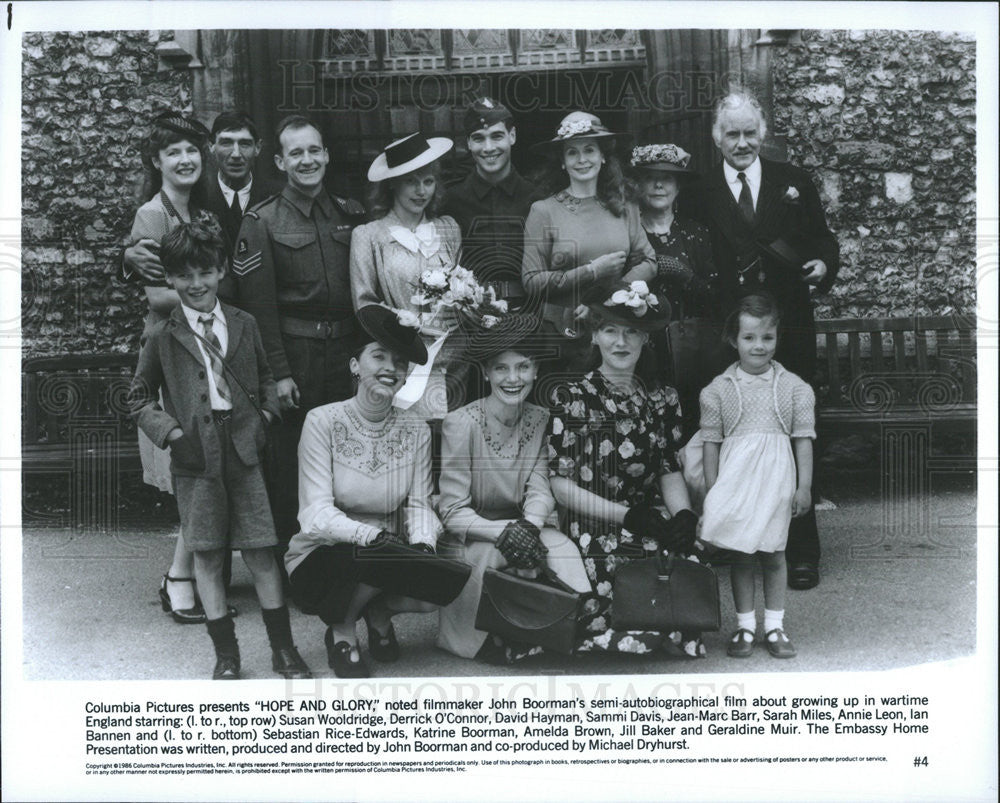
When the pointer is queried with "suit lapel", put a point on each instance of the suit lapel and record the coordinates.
(183, 334)
(770, 194)
(721, 204)
(234, 329)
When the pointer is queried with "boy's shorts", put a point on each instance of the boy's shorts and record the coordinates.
(228, 510)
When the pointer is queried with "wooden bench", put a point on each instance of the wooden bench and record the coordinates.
(874, 372)
(904, 380)
(75, 422)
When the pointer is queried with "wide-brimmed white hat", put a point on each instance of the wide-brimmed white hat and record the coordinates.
(406, 155)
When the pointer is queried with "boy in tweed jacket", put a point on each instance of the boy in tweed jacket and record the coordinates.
(208, 365)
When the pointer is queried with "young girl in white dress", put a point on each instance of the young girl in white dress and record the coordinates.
(757, 421)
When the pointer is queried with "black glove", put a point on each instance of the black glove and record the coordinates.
(645, 521)
(520, 544)
(385, 537)
(676, 270)
(681, 532)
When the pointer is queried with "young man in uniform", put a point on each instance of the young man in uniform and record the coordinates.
(292, 271)
(492, 202)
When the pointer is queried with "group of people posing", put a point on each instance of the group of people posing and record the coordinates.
(549, 375)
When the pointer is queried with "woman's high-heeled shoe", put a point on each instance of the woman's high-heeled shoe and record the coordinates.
(338, 656)
(194, 615)
(384, 649)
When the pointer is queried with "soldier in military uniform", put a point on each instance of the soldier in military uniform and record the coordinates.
(292, 272)
(492, 202)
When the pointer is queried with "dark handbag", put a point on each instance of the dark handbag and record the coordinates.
(540, 611)
(410, 572)
(665, 594)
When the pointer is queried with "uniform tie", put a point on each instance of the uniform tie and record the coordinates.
(746, 198)
(218, 372)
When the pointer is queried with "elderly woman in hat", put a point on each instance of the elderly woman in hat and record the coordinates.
(612, 447)
(495, 497)
(364, 474)
(408, 242)
(685, 273)
(584, 234)
(173, 154)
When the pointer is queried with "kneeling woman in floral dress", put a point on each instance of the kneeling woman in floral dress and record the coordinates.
(612, 449)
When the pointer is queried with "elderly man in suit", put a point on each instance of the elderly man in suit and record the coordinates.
(769, 233)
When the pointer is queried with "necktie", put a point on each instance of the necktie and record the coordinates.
(218, 372)
(235, 213)
(746, 198)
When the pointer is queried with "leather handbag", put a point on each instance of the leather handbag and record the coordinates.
(540, 611)
(665, 594)
(407, 570)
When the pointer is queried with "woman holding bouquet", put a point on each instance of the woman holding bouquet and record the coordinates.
(406, 258)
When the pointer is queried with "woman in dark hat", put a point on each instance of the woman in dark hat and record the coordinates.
(612, 441)
(364, 474)
(406, 241)
(173, 154)
(495, 498)
(685, 274)
(583, 235)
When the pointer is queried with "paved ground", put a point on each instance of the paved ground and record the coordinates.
(889, 598)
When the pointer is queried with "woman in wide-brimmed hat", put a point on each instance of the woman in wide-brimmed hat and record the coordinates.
(495, 496)
(612, 445)
(685, 274)
(407, 241)
(364, 471)
(583, 235)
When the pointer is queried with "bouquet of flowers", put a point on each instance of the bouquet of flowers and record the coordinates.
(455, 289)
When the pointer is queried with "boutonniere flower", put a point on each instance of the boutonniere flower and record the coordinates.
(791, 195)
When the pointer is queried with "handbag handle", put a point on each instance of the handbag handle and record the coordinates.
(553, 579)
(666, 564)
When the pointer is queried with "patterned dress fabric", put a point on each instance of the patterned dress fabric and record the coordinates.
(616, 445)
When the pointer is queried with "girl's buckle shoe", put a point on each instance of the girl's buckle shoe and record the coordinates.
(780, 647)
(739, 645)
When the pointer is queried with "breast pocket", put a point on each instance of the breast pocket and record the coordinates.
(342, 238)
(295, 256)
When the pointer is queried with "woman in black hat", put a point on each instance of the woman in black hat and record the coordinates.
(364, 474)
(407, 241)
(613, 439)
(495, 496)
(584, 235)
(685, 274)
(173, 154)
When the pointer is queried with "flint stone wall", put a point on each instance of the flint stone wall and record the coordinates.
(885, 122)
(86, 100)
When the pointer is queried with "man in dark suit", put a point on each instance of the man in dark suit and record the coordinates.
(235, 146)
(769, 233)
